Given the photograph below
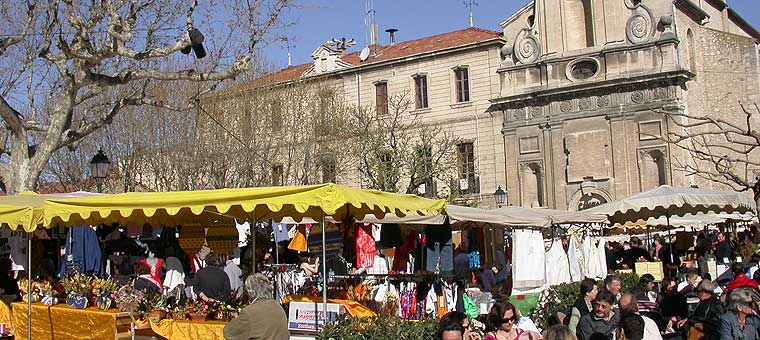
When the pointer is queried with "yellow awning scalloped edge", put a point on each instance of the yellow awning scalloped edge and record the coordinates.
(207, 206)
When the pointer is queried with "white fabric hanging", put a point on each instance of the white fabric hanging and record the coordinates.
(528, 259)
(557, 265)
(590, 258)
(601, 256)
(574, 259)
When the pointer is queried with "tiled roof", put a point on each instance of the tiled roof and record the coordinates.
(397, 51)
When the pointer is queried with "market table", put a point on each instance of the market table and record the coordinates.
(62, 322)
(187, 330)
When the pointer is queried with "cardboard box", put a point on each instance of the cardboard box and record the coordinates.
(309, 316)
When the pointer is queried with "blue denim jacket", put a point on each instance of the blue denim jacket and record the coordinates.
(729, 327)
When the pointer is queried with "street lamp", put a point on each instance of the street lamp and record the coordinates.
(500, 196)
(99, 166)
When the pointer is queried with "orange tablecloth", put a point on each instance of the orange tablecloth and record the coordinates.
(353, 308)
(187, 330)
(5, 315)
(61, 322)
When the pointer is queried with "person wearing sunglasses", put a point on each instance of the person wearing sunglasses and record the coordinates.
(503, 319)
(740, 321)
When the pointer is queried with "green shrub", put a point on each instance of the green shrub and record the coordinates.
(348, 328)
(560, 298)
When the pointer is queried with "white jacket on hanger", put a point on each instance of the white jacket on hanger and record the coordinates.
(590, 258)
(574, 259)
(557, 265)
(601, 256)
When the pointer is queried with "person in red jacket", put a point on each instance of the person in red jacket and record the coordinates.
(740, 279)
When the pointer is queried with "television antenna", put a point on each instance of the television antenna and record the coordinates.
(470, 4)
(342, 44)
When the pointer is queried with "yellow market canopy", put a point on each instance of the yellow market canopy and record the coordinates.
(209, 206)
(25, 210)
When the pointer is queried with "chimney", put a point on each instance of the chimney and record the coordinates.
(392, 33)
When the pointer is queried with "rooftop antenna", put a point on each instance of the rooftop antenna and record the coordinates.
(287, 46)
(470, 4)
(342, 44)
(369, 20)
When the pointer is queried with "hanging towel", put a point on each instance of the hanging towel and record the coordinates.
(574, 259)
(82, 252)
(529, 259)
(557, 265)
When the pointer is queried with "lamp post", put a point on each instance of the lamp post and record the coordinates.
(500, 196)
(99, 166)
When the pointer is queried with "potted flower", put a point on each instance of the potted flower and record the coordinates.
(155, 307)
(48, 293)
(23, 286)
(128, 299)
(102, 289)
(198, 310)
(77, 286)
(178, 313)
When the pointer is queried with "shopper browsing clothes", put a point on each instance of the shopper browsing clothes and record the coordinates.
(211, 282)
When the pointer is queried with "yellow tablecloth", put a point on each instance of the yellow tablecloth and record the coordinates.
(353, 308)
(61, 322)
(187, 330)
(5, 315)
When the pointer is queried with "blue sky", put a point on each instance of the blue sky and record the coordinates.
(322, 20)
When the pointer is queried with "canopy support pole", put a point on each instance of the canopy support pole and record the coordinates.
(324, 271)
(253, 243)
(29, 285)
(277, 263)
(670, 242)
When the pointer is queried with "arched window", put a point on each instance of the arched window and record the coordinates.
(579, 24)
(653, 169)
(691, 58)
(531, 176)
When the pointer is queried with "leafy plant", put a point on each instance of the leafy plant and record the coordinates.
(76, 285)
(348, 328)
(129, 299)
(102, 287)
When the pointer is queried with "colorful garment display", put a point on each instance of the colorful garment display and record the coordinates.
(365, 247)
(299, 241)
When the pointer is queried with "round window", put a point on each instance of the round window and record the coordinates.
(584, 69)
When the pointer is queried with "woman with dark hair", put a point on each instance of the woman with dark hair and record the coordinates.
(144, 280)
(673, 305)
(583, 305)
(462, 319)
(646, 297)
(503, 319)
(211, 282)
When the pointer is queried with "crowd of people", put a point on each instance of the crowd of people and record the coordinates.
(686, 304)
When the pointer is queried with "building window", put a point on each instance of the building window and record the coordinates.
(425, 171)
(381, 98)
(462, 84)
(277, 175)
(466, 165)
(421, 91)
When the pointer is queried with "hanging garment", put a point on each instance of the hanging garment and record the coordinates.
(222, 239)
(18, 254)
(196, 263)
(439, 249)
(574, 259)
(557, 265)
(192, 238)
(590, 259)
(601, 256)
(155, 268)
(299, 243)
(82, 252)
(402, 255)
(474, 259)
(379, 266)
(133, 230)
(243, 229)
(528, 259)
(390, 236)
(147, 232)
(280, 232)
(365, 247)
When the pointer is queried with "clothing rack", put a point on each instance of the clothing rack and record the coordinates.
(407, 277)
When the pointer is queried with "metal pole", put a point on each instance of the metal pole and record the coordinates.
(324, 271)
(29, 286)
(670, 242)
(253, 244)
(276, 261)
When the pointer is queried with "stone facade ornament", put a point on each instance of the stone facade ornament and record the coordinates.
(666, 21)
(536, 110)
(527, 47)
(566, 106)
(584, 103)
(640, 27)
(637, 97)
(603, 101)
(506, 53)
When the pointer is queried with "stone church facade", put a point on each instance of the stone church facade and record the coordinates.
(566, 106)
(586, 85)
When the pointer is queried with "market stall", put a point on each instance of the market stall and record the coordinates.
(215, 207)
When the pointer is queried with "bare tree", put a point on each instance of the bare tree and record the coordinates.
(74, 66)
(720, 149)
(397, 152)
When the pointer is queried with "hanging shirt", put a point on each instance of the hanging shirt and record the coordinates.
(365, 247)
(280, 232)
(574, 260)
(601, 256)
(155, 268)
(18, 251)
(557, 266)
(82, 251)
